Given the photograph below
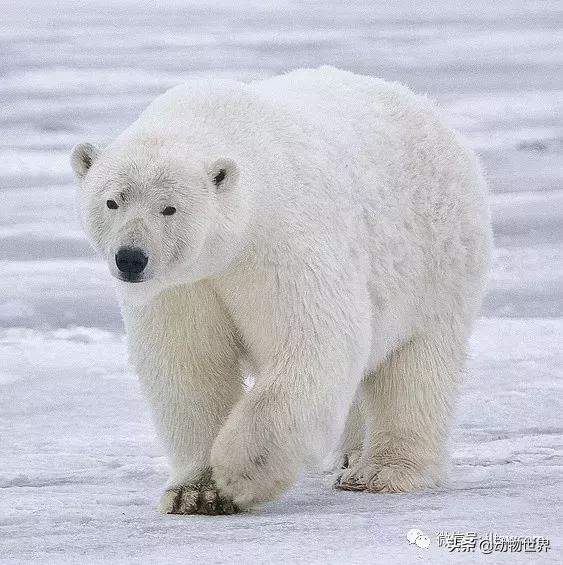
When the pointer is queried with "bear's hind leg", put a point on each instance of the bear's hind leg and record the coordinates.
(407, 404)
(349, 448)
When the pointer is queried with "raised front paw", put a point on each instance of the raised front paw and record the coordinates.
(199, 497)
(250, 472)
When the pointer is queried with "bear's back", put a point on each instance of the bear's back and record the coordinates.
(328, 95)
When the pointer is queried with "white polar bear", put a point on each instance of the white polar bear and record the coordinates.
(324, 228)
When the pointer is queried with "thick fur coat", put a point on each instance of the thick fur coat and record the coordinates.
(327, 230)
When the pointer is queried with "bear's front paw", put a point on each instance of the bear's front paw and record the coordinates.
(248, 473)
(199, 497)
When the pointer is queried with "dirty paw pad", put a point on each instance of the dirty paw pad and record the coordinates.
(196, 499)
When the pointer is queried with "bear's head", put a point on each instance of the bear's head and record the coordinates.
(159, 215)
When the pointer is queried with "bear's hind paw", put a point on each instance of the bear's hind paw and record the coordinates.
(385, 478)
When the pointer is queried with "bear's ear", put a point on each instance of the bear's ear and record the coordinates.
(82, 157)
(223, 174)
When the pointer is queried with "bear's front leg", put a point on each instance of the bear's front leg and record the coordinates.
(310, 356)
(258, 453)
(186, 354)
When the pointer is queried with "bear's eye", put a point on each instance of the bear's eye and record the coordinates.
(219, 177)
(169, 210)
(112, 204)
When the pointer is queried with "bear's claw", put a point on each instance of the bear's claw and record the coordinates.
(196, 498)
(349, 484)
(385, 478)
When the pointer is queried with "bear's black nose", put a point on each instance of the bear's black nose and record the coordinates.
(131, 261)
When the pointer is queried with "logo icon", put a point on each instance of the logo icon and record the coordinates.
(417, 537)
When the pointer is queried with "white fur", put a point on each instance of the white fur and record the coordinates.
(344, 257)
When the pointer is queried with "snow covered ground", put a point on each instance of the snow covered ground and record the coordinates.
(80, 470)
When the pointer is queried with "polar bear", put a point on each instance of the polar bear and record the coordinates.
(327, 230)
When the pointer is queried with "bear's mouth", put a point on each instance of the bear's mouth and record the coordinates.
(130, 278)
